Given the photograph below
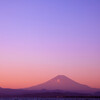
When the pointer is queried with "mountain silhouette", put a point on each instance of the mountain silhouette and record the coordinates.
(61, 82)
(59, 85)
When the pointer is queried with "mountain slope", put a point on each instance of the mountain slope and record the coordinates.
(61, 82)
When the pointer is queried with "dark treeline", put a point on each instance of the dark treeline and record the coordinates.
(52, 95)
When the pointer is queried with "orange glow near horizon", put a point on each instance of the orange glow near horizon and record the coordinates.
(28, 74)
(29, 77)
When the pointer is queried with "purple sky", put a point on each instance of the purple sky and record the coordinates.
(43, 38)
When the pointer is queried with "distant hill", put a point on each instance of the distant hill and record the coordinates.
(62, 82)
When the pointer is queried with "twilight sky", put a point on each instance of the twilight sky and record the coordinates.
(40, 39)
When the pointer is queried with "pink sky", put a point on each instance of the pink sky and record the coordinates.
(40, 39)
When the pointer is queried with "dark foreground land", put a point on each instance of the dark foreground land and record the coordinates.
(49, 96)
(9, 94)
(56, 98)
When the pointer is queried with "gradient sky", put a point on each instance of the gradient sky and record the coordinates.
(40, 39)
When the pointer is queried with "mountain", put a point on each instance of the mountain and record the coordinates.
(61, 82)
(58, 86)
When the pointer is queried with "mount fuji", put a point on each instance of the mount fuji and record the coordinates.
(61, 82)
